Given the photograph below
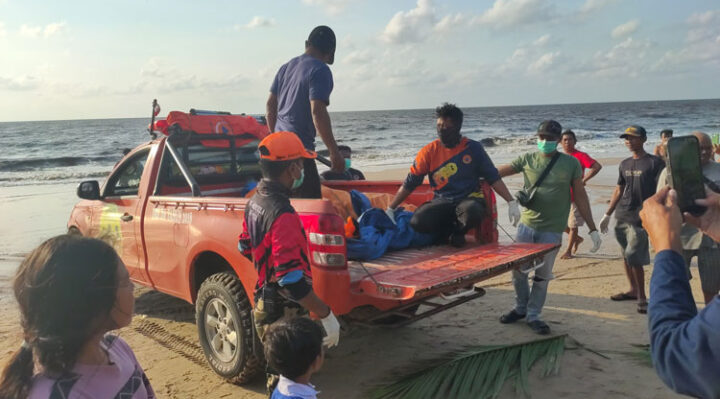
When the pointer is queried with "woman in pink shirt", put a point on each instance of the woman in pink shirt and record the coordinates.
(71, 291)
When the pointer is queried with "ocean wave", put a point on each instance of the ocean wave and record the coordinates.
(28, 178)
(32, 164)
(657, 115)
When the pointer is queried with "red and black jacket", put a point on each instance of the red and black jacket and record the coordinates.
(274, 238)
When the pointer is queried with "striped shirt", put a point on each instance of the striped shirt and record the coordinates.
(121, 378)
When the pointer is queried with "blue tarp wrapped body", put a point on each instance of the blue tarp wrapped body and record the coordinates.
(378, 233)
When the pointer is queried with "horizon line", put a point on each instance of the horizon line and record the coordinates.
(396, 109)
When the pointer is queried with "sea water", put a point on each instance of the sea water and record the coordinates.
(53, 152)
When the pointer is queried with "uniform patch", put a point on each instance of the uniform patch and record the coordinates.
(442, 176)
(467, 159)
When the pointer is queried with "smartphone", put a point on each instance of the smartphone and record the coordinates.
(685, 173)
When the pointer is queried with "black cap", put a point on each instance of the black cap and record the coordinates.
(666, 132)
(549, 127)
(635, 131)
(323, 39)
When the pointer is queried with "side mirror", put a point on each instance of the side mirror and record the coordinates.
(89, 190)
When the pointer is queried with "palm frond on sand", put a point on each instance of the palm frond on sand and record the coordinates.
(476, 372)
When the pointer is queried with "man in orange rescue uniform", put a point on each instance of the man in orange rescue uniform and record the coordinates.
(455, 165)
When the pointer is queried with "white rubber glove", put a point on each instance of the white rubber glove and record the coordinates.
(332, 330)
(595, 236)
(514, 212)
(391, 214)
(604, 224)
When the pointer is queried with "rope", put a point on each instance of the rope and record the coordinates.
(506, 233)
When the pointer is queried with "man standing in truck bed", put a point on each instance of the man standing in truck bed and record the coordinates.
(299, 97)
(273, 237)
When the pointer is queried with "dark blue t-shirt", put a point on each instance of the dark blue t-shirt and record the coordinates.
(299, 81)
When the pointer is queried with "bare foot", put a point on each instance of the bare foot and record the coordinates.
(578, 241)
(566, 255)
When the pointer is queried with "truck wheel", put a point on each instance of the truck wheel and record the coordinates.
(224, 320)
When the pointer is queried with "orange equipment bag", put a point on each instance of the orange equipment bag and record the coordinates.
(246, 128)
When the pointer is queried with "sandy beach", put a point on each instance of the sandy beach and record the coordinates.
(164, 337)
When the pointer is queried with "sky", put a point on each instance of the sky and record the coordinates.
(84, 59)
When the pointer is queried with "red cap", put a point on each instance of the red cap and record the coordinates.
(283, 146)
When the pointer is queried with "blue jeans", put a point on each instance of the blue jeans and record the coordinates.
(530, 302)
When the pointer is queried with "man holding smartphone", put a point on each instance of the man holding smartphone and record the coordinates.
(637, 182)
(684, 342)
(694, 242)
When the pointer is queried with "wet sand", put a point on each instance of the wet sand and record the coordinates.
(164, 336)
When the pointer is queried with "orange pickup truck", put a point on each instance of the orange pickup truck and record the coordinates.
(173, 208)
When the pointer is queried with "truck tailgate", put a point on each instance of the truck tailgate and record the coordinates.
(414, 273)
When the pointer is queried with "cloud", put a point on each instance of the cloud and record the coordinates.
(331, 7)
(257, 22)
(542, 41)
(410, 26)
(54, 29)
(506, 14)
(543, 63)
(357, 57)
(703, 18)
(626, 29)
(591, 6)
(30, 31)
(449, 22)
(47, 31)
(160, 75)
(23, 83)
(3, 32)
(702, 45)
(629, 58)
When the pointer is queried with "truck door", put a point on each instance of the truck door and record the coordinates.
(119, 219)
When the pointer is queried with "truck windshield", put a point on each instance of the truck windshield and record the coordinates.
(126, 180)
(214, 167)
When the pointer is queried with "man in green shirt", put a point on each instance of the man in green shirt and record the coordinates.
(545, 218)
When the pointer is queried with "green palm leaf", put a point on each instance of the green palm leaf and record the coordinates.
(476, 372)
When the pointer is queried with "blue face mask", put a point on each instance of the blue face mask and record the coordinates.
(347, 163)
(299, 181)
(547, 147)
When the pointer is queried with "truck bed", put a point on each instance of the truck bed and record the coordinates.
(413, 273)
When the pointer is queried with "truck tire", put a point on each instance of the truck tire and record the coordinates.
(224, 319)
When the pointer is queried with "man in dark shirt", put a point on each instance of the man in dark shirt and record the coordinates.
(637, 182)
(455, 165)
(299, 97)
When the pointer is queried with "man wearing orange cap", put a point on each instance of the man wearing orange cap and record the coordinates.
(273, 237)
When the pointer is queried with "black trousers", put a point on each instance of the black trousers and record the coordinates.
(444, 217)
(311, 184)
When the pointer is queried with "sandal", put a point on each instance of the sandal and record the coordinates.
(623, 296)
(511, 317)
(642, 307)
(539, 326)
